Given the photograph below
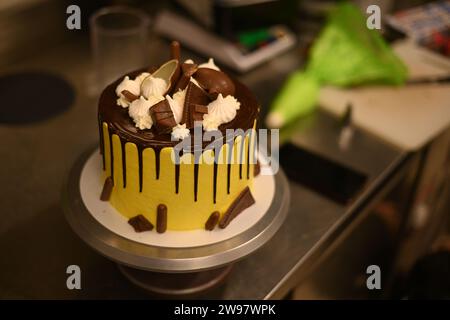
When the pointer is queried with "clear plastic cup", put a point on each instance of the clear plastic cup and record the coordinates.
(119, 38)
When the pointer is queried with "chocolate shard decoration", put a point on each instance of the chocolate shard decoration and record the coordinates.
(187, 70)
(174, 79)
(161, 218)
(212, 221)
(140, 223)
(214, 82)
(170, 72)
(257, 169)
(198, 111)
(129, 96)
(107, 189)
(175, 50)
(162, 117)
(194, 96)
(243, 201)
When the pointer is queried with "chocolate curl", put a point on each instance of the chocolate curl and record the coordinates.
(214, 82)
(129, 96)
(175, 50)
(161, 218)
(187, 70)
(194, 96)
(162, 117)
(242, 202)
(212, 221)
(107, 189)
(140, 223)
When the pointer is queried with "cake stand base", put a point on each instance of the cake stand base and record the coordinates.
(177, 285)
(163, 269)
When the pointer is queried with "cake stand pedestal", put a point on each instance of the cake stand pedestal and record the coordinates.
(177, 285)
(171, 271)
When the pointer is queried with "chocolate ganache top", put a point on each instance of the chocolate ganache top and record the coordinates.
(119, 122)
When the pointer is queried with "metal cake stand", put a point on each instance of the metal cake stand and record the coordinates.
(171, 271)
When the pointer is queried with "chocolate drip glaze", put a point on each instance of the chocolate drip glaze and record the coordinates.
(240, 168)
(178, 154)
(124, 163)
(111, 154)
(241, 156)
(120, 123)
(229, 155)
(248, 155)
(157, 161)
(140, 166)
(177, 177)
(195, 181)
(102, 143)
(215, 182)
(228, 177)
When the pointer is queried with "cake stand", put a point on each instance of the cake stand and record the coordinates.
(170, 270)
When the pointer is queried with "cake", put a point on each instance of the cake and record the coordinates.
(177, 145)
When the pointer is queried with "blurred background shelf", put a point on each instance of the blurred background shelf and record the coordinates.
(397, 207)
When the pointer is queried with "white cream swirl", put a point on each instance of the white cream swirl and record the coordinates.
(210, 64)
(141, 77)
(130, 85)
(152, 86)
(179, 132)
(139, 111)
(221, 110)
(210, 123)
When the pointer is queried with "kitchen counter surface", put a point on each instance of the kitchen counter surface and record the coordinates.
(35, 159)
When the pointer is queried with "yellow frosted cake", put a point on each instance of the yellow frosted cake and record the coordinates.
(172, 157)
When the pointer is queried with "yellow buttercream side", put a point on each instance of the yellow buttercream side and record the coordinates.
(184, 213)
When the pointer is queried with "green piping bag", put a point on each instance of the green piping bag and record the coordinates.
(346, 53)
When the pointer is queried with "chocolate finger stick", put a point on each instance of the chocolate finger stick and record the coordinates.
(175, 50)
(212, 221)
(161, 218)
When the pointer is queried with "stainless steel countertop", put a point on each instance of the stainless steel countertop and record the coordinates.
(37, 243)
